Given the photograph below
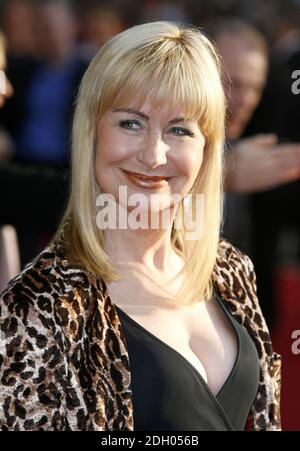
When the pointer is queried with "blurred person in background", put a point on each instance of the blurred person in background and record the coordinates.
(9, 251)
(39, 119)
(175, 11)
(19, 22)
(244, 52)
(256, 163)
(277, 210)
(99, 23)
(6, 91)
(18, 19)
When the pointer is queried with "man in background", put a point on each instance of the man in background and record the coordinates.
(254, 164)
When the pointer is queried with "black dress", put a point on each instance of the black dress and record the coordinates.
(169, 394)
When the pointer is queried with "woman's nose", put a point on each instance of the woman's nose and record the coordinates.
(153, 152)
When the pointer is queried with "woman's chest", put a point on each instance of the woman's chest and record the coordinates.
(201, 333)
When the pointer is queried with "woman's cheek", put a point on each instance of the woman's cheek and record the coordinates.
(113, 150)
(189, 162)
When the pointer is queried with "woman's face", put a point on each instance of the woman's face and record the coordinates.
(148, 151)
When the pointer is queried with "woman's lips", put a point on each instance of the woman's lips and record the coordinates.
(146, 181)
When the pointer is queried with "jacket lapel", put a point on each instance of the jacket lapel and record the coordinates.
(98, 368)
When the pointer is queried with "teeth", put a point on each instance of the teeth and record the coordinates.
(147, 179)
(151, 180)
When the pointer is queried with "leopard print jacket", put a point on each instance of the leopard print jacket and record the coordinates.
(63, 358)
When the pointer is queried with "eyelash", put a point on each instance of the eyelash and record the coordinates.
(128, 122)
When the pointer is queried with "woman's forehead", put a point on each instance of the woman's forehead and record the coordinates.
(149, 106)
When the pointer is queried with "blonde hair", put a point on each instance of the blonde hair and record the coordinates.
(176, 64)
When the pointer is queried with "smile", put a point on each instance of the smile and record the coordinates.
(146, 181)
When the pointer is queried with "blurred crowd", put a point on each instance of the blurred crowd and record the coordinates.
(45, 47)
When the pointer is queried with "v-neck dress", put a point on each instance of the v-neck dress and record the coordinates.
(169, 394)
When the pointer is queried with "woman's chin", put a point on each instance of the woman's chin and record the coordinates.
(150, 218)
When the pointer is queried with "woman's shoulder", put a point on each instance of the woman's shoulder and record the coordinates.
(32, 271)
(231, 252)
(235, 279)
(43, 282)
(49, 270)
(36, 276)
(28, 298)
(232, 260)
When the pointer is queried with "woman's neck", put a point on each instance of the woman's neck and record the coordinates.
(149, 248)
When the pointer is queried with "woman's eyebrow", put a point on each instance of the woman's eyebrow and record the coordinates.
(143, 115)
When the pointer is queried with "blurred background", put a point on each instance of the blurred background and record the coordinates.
(45, 47)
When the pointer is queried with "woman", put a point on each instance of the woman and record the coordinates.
(128, 320)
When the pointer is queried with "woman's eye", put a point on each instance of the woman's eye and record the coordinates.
(130, 124)
(180, 131)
